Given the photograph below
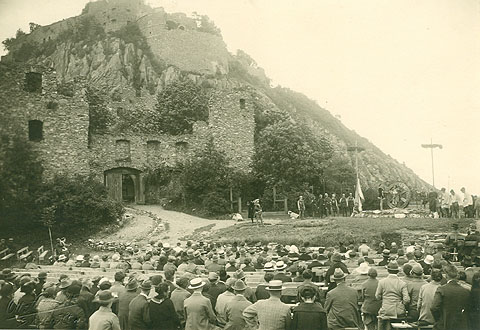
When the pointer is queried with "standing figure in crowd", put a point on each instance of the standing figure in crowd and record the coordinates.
(455, 206)
(162, 311)
(425, 298)
(381, 198)
(321, 206)
(350, 203)
(251, 210)
(445, 203)
(343, 206)
(301, 207)
(258, 212)
(370, 305)
(138, 314)
(234, 309)
(334, 205)
(328, 205)
(467, 203)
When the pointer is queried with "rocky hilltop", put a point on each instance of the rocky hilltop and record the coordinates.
(131, 52)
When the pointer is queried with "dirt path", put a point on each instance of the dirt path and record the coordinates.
(176, 225)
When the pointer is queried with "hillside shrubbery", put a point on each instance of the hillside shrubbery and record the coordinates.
(71, 204)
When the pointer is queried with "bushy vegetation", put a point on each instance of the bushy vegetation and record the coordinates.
(69, 204)
(179, 105)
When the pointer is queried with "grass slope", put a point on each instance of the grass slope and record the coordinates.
(329, 232)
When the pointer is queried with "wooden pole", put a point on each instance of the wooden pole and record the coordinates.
(51, 240)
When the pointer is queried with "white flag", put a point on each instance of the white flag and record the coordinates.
(359, 199)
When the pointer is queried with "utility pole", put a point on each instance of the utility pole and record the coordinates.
(432, 146)
(356, 148)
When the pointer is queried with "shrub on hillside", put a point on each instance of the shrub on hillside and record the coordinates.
(79, 203)
(20, 182)
(179, 105)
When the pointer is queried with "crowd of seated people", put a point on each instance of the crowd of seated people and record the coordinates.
(205, 285)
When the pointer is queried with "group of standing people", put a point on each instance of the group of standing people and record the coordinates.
(452, 204)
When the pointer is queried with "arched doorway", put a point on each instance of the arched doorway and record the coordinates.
(125, 184)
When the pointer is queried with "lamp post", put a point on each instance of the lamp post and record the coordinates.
(432, 146)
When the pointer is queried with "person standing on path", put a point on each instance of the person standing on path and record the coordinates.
(301, 207)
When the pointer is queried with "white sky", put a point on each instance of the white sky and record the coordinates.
(398, 72)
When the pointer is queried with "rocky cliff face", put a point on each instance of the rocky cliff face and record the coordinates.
(114, 63)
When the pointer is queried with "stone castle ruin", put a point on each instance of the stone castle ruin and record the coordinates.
(57, 126)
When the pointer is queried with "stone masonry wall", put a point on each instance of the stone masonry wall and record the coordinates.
(232, 126)
(63, 148)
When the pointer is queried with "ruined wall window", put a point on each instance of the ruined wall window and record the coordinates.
(33, 82)
(35, 130)
(122, 149)
(113, 20)
(242, 103)
(153, 145)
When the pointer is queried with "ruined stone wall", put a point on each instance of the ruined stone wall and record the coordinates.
(232, 125)
(144, 151)
(63, 148)
(190, 50)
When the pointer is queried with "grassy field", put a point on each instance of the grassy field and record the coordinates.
(329, 232)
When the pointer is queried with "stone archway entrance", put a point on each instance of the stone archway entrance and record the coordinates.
(125, 184)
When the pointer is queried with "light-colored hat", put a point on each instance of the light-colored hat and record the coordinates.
(363, 268)
(166, 246)
(196, 283)
(275, 285)
(79, 258)
(62, 257)
(339, 274)
(116, 257)
(428, 260)
(268, 267)
(96, 258)
(392, 265)
(280, 265)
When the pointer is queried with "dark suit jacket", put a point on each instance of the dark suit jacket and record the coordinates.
(139, 313)
(450, 307)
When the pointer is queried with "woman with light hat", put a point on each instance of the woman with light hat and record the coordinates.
(198, 309)
(104, 318)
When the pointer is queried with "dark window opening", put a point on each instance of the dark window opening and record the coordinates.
(33, 82)
(181, 27)
(113, 9)
(35, 130)
(153, 144)
(242, 103)
(181, 145)
(113, 20)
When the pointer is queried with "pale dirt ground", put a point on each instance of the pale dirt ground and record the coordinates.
(152, 222)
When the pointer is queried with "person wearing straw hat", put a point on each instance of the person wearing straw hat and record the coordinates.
(342, 304)
(198, 309)
(104, 318)
(235, 308)
(280, 266)
(138, 313)
(271, 314)
(393, 293)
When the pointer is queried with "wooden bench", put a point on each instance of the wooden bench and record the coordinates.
(4, 255)
(41, 254)
(23, 253)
